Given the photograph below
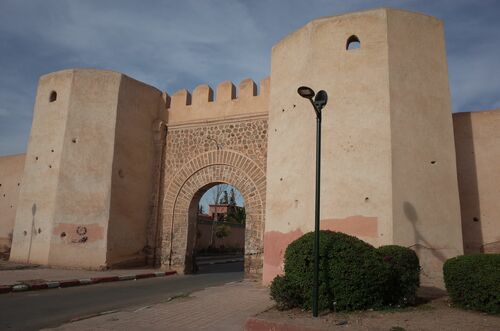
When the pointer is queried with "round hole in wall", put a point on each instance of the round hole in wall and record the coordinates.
(53, 96)
(18, 184)
(50, 166)
(433, 162)
(63, 234)
(25, 233)
(73, 140)
(36, 158)
(367, 199)
(39, 230)
(52, 150)
(475, 219)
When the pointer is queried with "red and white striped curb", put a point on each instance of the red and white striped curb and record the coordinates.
(77, 282)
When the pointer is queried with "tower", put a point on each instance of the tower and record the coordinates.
(86, 201)
(388, 163)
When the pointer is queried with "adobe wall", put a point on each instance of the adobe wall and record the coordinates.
(11, 174)
(426, 208)
(235, 238)
(82, 160)
(377, 180)
(132, 180)
(477, 141)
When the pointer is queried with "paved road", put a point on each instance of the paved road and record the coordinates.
(50, 308)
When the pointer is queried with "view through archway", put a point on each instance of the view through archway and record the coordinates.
(219, 223)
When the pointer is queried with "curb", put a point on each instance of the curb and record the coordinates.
(257, 324)
(21, 287)
(220, 261)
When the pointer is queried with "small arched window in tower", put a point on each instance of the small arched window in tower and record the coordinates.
(352, 43)
(53, 96)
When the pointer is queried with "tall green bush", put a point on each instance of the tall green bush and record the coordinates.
(404, 274)
(473, 281)
(353, 274)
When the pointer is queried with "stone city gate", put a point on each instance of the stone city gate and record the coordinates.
(95, 161)
(231, 150)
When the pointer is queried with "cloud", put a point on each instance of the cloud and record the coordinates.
(180, 44)
(4, 112)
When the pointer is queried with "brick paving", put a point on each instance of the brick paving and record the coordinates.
(216, 308)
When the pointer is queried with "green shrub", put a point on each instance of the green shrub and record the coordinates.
(473, 281)
(352, 274)
(405, 274)
(284, 293)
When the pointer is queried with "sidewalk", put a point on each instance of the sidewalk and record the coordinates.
(221, 308)
(218, 259)
(23, 277)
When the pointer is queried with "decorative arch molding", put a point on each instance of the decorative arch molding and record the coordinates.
(212, 167)
(219, 156)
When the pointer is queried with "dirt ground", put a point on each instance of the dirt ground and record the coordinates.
(433, 313)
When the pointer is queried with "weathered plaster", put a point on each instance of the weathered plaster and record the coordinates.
(359, 226)
(477, 140)
(11, 174)
(275, 244)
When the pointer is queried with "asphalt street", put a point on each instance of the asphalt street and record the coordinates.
(50, 308)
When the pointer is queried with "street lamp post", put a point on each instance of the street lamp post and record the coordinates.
(318, 103)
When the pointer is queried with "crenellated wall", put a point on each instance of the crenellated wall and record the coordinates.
(212, 139)
(228, 103)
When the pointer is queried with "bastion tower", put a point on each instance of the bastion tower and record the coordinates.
(388, 161)
(88, 171)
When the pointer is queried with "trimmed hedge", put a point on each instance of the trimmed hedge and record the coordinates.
(353, 274)
(405, 274)
(473, 281)
(283, 289)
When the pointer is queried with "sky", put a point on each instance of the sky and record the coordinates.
(180, 44)
(210, 196)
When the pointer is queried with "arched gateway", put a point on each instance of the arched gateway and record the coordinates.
(189, 184)
(228, 146)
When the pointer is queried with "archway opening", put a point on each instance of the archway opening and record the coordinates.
(216, 230)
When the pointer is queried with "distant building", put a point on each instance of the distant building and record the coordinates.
(218, 212)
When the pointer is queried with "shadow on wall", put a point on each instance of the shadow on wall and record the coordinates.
(420, 241)
(468, 185)
(33, 231)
